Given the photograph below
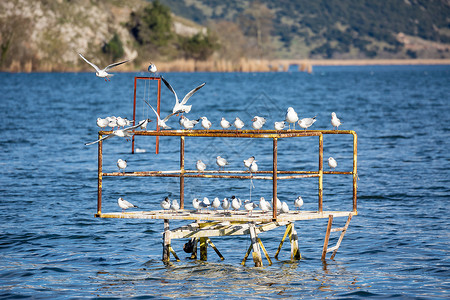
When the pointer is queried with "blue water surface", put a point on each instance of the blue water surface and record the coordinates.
(51, 246)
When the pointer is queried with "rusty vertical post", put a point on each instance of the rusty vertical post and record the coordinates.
(274, 178)
(321, 173)
(355, 172)
(134, 114)
(182, 172)
(327, 237)
(100, 176)
(158, 108)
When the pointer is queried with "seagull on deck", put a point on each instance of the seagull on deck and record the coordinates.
(264, 205)
(284, 207)
(279, 125)
(201, 166)
(175, 205)
(235, 203)
(248, 162)
(188, 124)
(249, 206)
(221, 162)
(226, 204)
(206, 124)
(332, 163)
(335, 121)
(258, 122)
(124, 204)
(165, 204)
(121, 164)
(306, 122)
(161, 123)
(298, 202)
(216, 203)
(238, 123)
(224, 123)
(196, 204)
(126, 132)
(205, 203)
(181, 107)
(291, 117)
(103, 73)
(278, 204)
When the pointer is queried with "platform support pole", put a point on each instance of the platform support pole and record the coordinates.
(255, 245)
(194, 248)
(182, 172)
(327, 236)
(265, 252)
(320, 208)
(215, 248)
(166, 242)
(288, 229)
(295, 252)
(203, 249)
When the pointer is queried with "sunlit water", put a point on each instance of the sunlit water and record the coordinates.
(397, 247)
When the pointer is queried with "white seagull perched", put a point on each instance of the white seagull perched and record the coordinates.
(121, 122)
(126, 132)
(298, 202)
(102, 123)
(258, 122)
(205, 203)
(175, 205)
(284, 207)
(112, 122)
(332, 163)
(235, 203)
(152, 68)
(121, 164)
(249, 206)
(226, 204)
(238, 123)
(291, 117)
(253, 167)
(335, 121)
(248, 162)
(181, 107)
(165, 204)
(221, 162)
(196, 204)
(188, 124)
(144, 123)
(224, 123)
(306, 122)
(103, 73)
(278, 204)
(161, 123)
(124, 204)
(264, 205)
(206, 123)
(216, 203)
(201, 166)
(279, 125)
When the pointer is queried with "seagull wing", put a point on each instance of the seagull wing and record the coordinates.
(188, 95)
(134, 127)
(159, 119)
(167, 118)
(95, 67)
(128, 203)
(103, 138)
(115, 64)
(171, 88)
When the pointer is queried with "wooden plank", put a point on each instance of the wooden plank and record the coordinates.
(215, 248)
(337, 229)
(265, 252)
(327, 237)
(255, 247)
(288, 229)
(247, 254)
(342, 235)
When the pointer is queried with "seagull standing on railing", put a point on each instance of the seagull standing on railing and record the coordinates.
(298, 202)
(126, 132)
(144, 123)
(306, 122)
(221, 162)
(181, 107)
(201, 166)
(188, 124)
(124, 204)
(238, 123)
(335, 122)
(121, 164)
(258, 122)
(279, 125)
(224, 123)
(248, 161)
(291, 117)
(253, 167)
(206, 124)
(102, 123)
(332, 163)
(103, 73)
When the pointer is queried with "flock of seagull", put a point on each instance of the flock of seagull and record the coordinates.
(180, 107)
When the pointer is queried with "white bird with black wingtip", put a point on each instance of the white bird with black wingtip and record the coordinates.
(103, 73)
(165, 204)
(221, 162)
(124, 204)
(298, 203)
(121, 164)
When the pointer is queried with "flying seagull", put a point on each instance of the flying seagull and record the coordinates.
(103, 73)
(181, 107)
(126, 132)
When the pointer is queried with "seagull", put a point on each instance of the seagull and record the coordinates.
(196, 204)
(291, 117)
(264, 205)
(188, 124)
(238, 123)
(103, 73)
(181, 107)
(249, 206)
(121, 122)
(279, 125)
(224, 123)
(161, 123)
(284, 207)
(152, 68)
(216, 203)
(206, 123)
(205, 203)
(226, 204)
(253, 167)
(332, 163)
(175, 205)
(102, 123)
(235, 203)
(126, 132)
(258, 122)
(335, 121)
(124, 204)
(165, 204)
(144, 123)
(298, 202)
(306, 122)
(248, 162)
(112, 122)
(201, 167)
(278, 204)
(221, 162)
(121, 164)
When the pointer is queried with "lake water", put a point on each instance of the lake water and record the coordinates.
(51, 246)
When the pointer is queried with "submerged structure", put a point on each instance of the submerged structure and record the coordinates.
(204, 225)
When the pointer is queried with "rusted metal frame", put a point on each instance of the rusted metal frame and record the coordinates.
(327, 237)
(191, 173)
(158, 108)
(344, 230)
(182, 172)
(355, 172)
(183, 175)
(320, 209)
(220, 133)
(100, 176)
(166, 242)
(134, 114)
(274, 179)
